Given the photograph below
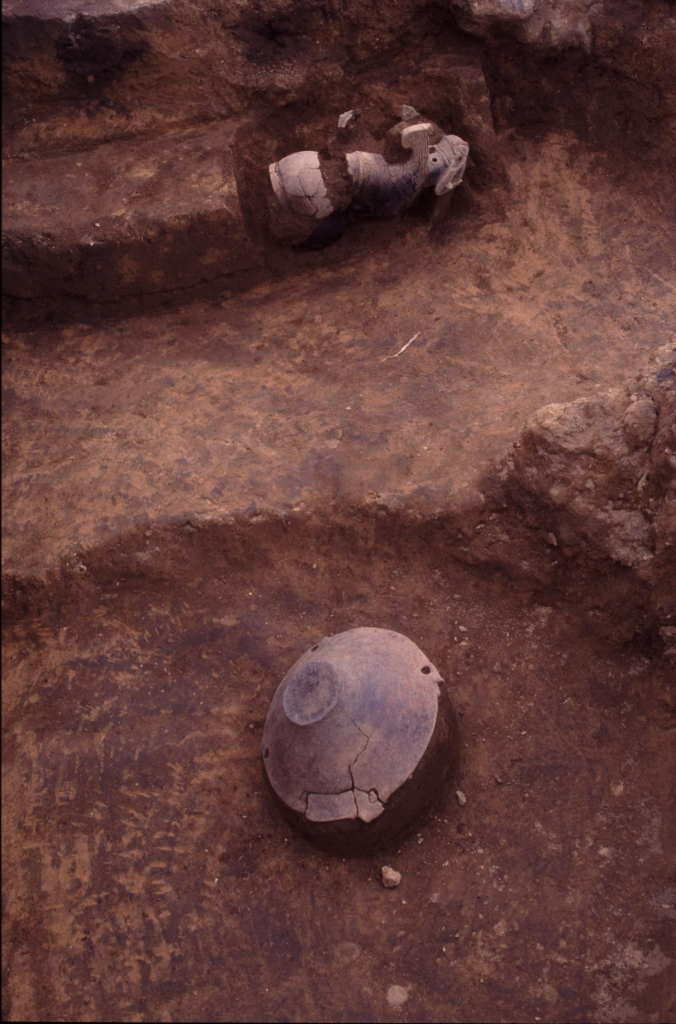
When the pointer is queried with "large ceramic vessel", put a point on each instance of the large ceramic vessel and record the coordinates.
(375, 187)
(360, 739)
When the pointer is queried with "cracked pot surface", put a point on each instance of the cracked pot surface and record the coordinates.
(349, 726)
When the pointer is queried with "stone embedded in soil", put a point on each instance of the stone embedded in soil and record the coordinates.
(391, 878)
(359, 739)
(460, 797)
(397, 996)
(544, 24)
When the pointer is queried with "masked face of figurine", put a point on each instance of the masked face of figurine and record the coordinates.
(446, 164)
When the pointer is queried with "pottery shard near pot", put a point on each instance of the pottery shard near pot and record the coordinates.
(349, 725)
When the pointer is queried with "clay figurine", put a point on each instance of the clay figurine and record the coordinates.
(316, 193)
(359, 740)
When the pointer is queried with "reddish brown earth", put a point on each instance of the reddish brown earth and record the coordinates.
(153, 879)
(202, 481)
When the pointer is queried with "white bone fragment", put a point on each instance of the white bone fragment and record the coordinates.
(402, 349)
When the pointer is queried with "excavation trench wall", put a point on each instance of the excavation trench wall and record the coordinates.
(275, 78)
(196, 495)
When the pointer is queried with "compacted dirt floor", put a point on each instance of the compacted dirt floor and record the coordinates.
(154, 880)
(194, 497)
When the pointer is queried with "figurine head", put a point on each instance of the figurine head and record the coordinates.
(446, 163)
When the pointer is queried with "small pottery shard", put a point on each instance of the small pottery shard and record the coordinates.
(348, 118)
(368, 804)
(359, 739)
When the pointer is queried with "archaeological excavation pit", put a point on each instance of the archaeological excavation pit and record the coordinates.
(456, 424)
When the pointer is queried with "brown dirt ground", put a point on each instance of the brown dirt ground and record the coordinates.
(278, 399)
(153, 879)
(176, 488)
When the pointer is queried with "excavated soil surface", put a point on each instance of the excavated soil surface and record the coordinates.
(283, 398)
(196, 494)
(152, 878)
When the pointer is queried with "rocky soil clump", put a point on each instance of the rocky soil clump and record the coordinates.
(589, 487)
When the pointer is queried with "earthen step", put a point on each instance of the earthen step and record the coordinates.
(130, 224)
(78, 74)
(61, 48)
(125, 219)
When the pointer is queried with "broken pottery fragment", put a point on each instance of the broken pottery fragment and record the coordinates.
(348, 118)
(360, 738)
